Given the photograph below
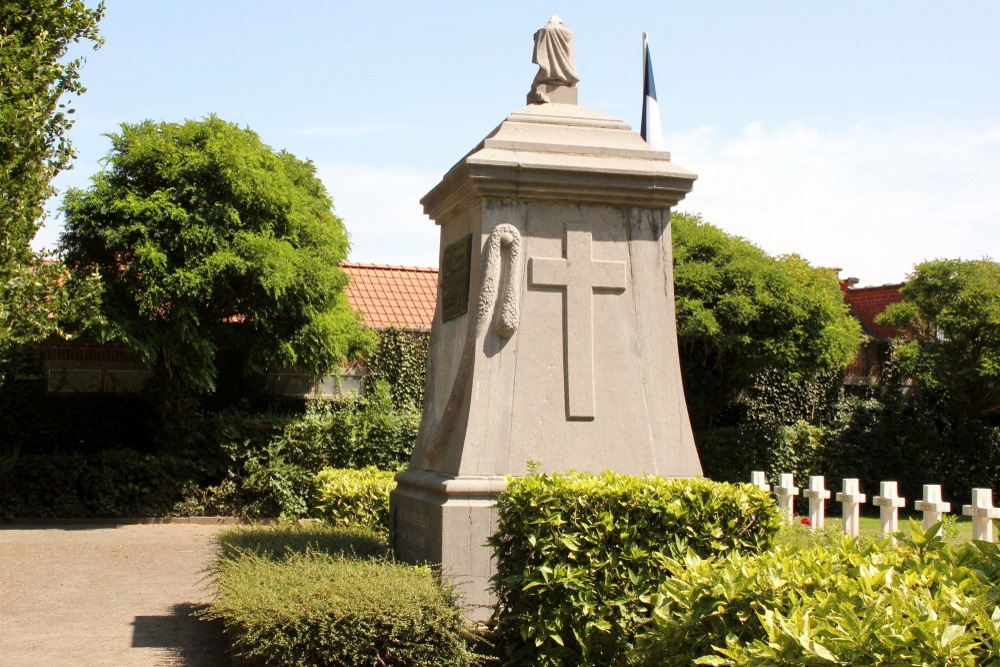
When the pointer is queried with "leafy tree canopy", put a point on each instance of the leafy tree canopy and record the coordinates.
(741, 311)
(35, 37)
(220, 257)
(950, 330)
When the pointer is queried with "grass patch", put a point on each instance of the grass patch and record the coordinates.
(956, 530)
(321, 595)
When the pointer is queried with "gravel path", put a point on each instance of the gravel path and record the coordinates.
(100, 594)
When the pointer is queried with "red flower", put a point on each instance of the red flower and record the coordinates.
(806, 521)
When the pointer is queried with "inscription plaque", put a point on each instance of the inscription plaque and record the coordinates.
(455, 268)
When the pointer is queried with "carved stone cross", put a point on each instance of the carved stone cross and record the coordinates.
(580, 274)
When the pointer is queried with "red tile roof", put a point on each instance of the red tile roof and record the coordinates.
(867, 302)
(401, 296)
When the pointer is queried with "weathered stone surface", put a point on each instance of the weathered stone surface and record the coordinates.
(567, 352)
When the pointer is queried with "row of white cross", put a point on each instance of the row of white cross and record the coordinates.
(888, 501)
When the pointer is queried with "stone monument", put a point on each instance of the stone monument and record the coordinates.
(554, 339)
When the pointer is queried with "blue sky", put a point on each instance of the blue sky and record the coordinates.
(859, 135)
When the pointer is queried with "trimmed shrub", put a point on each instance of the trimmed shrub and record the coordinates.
(355, 497)
(577, 553)
(846, 603)
(320, 604)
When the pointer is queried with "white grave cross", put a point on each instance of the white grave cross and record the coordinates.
(931, 505)
(889, 502)
(786, 492)
(982, 512)
(817, 495)
(851, 499)
(758, 479)
(580, 274)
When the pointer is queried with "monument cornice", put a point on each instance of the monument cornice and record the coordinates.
(561, 153)
(471, 487)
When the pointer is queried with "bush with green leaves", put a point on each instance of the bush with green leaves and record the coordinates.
(270, 460)
(354, 432)
(355, 497)
(576, 554)
(307, 597)
(923, 602)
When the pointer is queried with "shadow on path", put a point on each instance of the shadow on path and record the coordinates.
(193, 642)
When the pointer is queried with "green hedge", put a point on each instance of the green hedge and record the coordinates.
(576, 554)
(311, 599)
(847, 603)
(114, 483)
(355, 497)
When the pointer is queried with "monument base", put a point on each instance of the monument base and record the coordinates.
(446, 520)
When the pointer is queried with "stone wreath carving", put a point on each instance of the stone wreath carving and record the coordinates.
(435, 433)
(502, 236)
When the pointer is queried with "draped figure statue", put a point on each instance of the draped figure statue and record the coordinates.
(554, 56)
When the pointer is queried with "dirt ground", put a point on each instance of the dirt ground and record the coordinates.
(102, 594)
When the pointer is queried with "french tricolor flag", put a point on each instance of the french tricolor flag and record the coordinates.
(650, 128)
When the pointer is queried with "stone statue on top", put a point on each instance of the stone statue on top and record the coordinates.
(556, 78)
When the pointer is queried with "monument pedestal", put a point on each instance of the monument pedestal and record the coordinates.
(554, 339)
(441, 519)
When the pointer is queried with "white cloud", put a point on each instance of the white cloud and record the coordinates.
(381, 210)
(872, 201)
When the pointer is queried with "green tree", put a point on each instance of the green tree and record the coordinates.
(220, 257)
(950, 332)
(35, 77)
(741, 312)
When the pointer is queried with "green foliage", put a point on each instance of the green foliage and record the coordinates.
(841, 603)
(257, 460)
(113, 483)
(35, 38)
(270, 460)
(355, 497)
(219, 256)
(902, 435)
(401, 361)
(35, 422)
(38, 299)
(778, 424)
(356, 431)
(884, 432)
(275, 542)
(731, 453)
(324, 605)
(950, 324)
(576, 554)
(740, 312)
